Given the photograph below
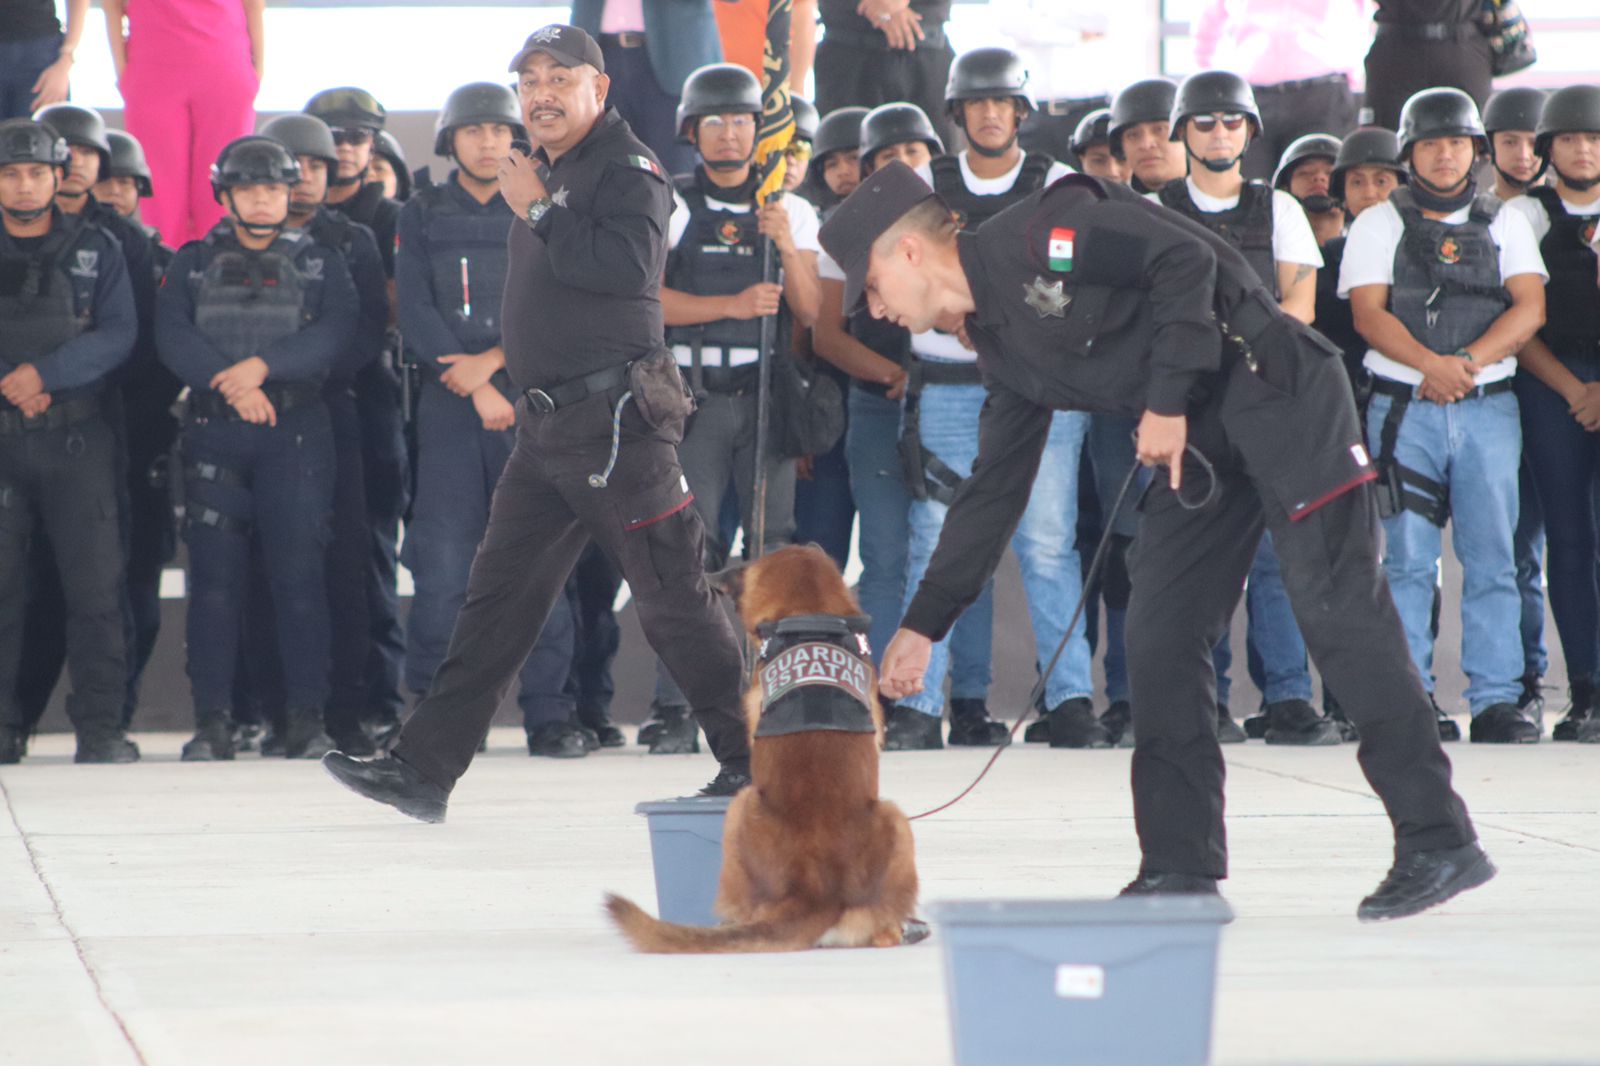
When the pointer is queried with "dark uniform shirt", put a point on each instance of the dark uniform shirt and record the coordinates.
(583, 289)
(379, 214)
(422, 308)
(366, 272)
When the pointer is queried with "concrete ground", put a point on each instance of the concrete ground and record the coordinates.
(256, 913)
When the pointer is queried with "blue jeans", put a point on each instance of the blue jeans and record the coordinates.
(824, 510)
(872, 448)
(1474, 447)
(1044, 541)
(21, 63)
(458, 466)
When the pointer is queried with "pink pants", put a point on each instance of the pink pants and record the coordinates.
(183, 116)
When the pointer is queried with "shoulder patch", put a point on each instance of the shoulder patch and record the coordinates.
(648, 165)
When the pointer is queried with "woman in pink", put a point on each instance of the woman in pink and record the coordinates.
(189, 71)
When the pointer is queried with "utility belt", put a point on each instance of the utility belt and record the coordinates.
(284, 396)
(1401, 488)
(1429, 31)
(574, 390)
(927, 476)
(58, 416)
(874, 41)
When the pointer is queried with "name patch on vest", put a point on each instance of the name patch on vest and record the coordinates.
(815, 685)
(1449, 251)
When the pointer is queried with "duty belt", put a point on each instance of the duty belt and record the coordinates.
(58, 416)
(1401, 488)
(548, 401)
(284, 397)
(1428, 31)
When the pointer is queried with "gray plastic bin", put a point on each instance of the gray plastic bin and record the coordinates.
(686, 850)
(1119, 982)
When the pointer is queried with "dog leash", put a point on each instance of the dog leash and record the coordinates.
(1095, 565)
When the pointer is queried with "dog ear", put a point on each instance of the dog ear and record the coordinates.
(729, 580)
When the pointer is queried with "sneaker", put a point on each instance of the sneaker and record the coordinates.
(246, 736)
(911, 730)
(1336, 715)
(971, 726)
(212, 741)
(728, 781)
(1589, 731)
(1297, 722)
(1171, 885)
(1118, 720)
(1228, 731)
(1502, 723)
(1073, 724)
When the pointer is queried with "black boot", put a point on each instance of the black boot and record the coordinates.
(1297, 722)
(304, 738)
(1577, 712)
(1038, 732)
(13, 745)
(598, 721)
(557, 740)
(1502, 723)
(653, 725)
(1228, 731)
(1425, 879)
(909, 729)
(971, 726)
(213, 737)
(679, 733)
(1073, 725)
(1171, 885)
(111, 747)
(1118, 720)
(729, 780)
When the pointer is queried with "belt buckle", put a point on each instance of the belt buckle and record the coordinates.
(630, 39)
(541, 402)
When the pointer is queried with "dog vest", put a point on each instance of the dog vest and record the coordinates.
(815, 673)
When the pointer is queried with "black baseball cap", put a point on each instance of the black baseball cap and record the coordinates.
(567, 45)
(865, 215)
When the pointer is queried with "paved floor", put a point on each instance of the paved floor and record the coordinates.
(251, 913)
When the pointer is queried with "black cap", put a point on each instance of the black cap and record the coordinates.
(567, 45)
(881, 200)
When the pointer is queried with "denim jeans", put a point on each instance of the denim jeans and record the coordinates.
(1474, 447)
(1044, 541)
(21, 63)
(882, 507)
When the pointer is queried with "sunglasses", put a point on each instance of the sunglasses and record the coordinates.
(352, 136)
(799, 151)
(1231, 122)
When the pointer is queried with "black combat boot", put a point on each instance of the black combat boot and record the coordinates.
(971, 726)
(598, 721)
(213, 737)
(679, 733)
(304, 737)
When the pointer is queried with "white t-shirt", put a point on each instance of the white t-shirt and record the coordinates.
(1292, 239)
(1534, 212)
(1369, 260)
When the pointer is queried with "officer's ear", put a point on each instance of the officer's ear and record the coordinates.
(602, 86)
(729, 580)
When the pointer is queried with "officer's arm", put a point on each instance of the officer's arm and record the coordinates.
(802, 290)
(679, 308)
(315, 350)
(366, 272)
(1012, 431)
(621, 248)
(185, 350)
(426, 334)
(109, 341)
(1298, 284)
(1369, 305)
(1516, 323)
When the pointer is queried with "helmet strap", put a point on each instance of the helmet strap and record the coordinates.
(1319, 203)
(1577, 184)
(1431, 197)
(255, 229)
(335, 181)
(35, 214)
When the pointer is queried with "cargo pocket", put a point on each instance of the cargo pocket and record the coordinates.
(662, 538)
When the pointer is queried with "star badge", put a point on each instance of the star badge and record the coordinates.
(559, 197)
(1050, 299)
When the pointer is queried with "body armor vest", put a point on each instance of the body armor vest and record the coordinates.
(973, 210)
(37, 303)
(1572, 309)
(467, 258)
(719, 254)
(248, 300)
(1447, 286)
(816, 673)
(1247, 225)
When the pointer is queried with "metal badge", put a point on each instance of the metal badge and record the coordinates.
(1050, 299)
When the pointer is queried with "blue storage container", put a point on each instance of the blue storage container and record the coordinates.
(686, 850)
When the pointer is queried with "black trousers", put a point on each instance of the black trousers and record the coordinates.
(852, 76)
(1290, 110)
(597, 636)
(543, 516)
(1398, 67)
(1188, 570)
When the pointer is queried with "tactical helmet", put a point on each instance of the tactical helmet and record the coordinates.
(805, 119)
(987, 72)
(1094, 128)
(347, 108)
(1440, 113)
(22, 140)
(1513, 109)
(718, 89)
(839, 131)
(127, 161)
(386, 145)
(1212, 92)
(1311, 146)
(481, 101)
(253, 160)
(80, 126)
(1575, 109)
(304, 135)
(1143, 101)
(1369, 146)
(891, 124)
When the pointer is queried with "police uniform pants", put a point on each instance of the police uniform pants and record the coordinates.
(543, 516)
(386, 467)
(1188, 569)
(61, 483)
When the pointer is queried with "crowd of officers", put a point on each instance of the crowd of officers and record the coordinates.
(324, 371)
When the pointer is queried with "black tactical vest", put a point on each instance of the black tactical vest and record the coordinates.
(815, 673)
(1247, 225)
(248, 300)
(467, 257)
(1447, 286)
(38, 311)
(1572, 306)
(973, 210)
(719, 254)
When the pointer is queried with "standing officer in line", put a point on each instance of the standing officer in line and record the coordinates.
(1366, 170)
(254, 318)
(1214, 117)
(452, 281)
(1510, 118)
(1446, 287)
(835, 168)
(1091, 145)
(584, 334)
(1183, 336)
(713, 299)
(388, 168)
(1141, 134)
(68, 317)
(1305, 171)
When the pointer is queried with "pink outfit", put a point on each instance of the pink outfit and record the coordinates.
(1272, 41)
(189, 88)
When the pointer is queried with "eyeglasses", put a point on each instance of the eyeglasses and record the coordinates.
(717, 122)
(1206, 123)
(355, 135)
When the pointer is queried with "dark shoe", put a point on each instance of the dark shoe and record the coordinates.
(1228, 731)
(355, 742)
(726, 783)
(652, 726)
(971, 726)
(1118, 721)
(1589, 731)
(13, 745)
(1073, 725)
(679, 733)
(1297, 722)
(1425, 879)
(914, 931)
(212, 740)
(1502, 723)
(598, 722)
(1255, 727)
(1171, 885)
(557, 740)
(1038, 732)
(304, 737)
(392, 781)
(911, 730)
(1336, 715)
(1448, 727)
(246, 736)
(114, 748)
(1577, 713)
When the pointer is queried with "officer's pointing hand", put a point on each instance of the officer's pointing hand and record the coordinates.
(519, 183)
(1161, 442)
(905, 662)
(247, 375)
(759, 299)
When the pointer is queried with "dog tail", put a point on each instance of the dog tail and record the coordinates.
(795, 932)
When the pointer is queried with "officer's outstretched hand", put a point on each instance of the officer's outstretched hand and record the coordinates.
(759, 299)
(254, 407)
(905, 662)
(1161, 441)
(494, 410)
(247, 375)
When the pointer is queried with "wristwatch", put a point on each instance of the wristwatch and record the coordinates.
(537, 209)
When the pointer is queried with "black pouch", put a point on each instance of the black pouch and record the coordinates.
(660, 394)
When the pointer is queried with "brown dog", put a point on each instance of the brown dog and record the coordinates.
(811, 857)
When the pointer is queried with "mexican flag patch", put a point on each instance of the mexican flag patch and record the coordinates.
(644, 162)
(1059, 249)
